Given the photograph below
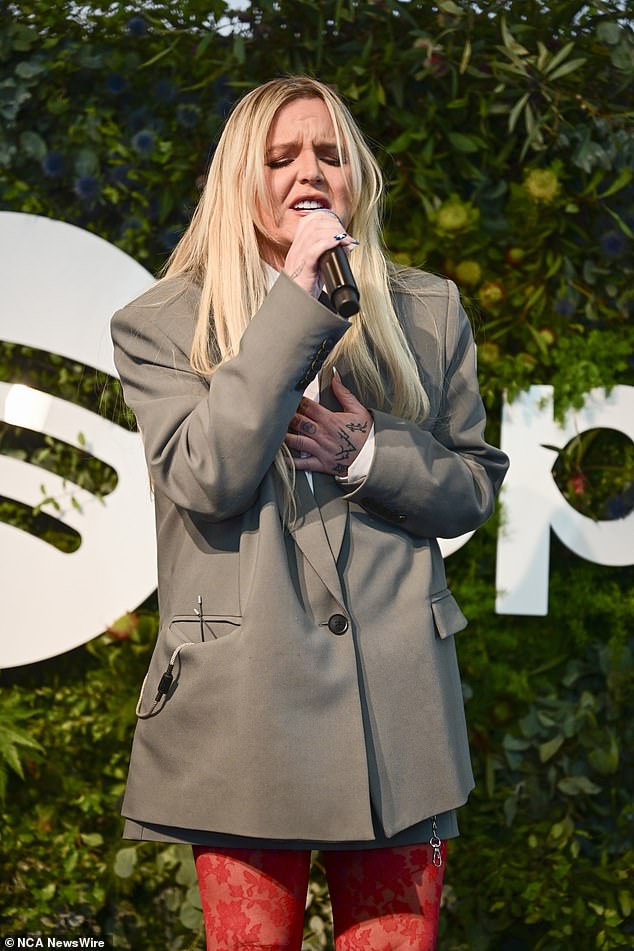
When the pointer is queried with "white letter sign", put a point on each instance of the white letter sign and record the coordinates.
(532, 503)
(60, 286)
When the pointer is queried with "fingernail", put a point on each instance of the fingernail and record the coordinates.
(354, 241)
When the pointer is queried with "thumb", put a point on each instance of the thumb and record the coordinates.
(345, 396)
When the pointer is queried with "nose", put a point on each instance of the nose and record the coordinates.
(309, 168)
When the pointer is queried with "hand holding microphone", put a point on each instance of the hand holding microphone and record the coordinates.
(314, 262)
(339, 282)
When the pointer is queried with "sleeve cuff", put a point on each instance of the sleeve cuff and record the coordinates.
(358, 471)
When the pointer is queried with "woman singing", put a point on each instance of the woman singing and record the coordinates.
(303, 692)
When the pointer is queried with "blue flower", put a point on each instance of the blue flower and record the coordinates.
(115, 84)
(566, 305)
(613, 243)
(144, 142)
(120, 174)
(165, 90)
(131, 224)
(53, 164)
(139, 119)
(224, 96)
(188, 115)
(617, 507)
(137, 26)
(170, 238)
(86, 187)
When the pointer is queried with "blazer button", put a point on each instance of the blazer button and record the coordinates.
(338, 624)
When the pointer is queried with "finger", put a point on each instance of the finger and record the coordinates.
(301, 444)
(324, 224)
(345, 396)
(302, 425)
(310, 464)
(330, 213)
(313, 410)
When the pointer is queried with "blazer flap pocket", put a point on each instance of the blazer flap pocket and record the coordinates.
(448, 617)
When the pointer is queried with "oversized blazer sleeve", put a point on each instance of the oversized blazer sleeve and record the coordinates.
(209, 444)
(439, 479)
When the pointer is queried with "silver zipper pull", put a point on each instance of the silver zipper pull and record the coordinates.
(435, 843)
(199, 612)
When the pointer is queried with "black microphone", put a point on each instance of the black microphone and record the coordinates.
(339, 282)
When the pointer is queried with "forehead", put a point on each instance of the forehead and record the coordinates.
(301, 116)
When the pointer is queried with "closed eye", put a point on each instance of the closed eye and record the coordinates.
(283, 162)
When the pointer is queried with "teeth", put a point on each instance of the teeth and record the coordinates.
(308, 205)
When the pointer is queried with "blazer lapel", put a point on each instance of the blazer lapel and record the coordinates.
(310, 536)
(329, 494)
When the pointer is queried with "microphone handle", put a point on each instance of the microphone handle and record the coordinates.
(339, 282)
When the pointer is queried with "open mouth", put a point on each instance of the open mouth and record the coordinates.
(307, 204)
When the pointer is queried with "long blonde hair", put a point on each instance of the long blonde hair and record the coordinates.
(221, 252)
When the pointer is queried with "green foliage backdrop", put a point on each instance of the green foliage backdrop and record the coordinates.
(504, 129)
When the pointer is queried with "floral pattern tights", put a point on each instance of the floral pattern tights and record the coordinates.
(382, 899)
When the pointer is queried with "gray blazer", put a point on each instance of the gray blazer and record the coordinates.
(323, 675)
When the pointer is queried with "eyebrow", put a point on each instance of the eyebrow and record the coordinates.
(284, 146)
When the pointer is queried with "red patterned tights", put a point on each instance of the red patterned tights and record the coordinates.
(382, 899)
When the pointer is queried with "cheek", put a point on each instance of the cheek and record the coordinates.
(344, 199)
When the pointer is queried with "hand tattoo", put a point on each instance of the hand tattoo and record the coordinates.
(339, 469)
(309, 428)
(357, 427)
(347, 447)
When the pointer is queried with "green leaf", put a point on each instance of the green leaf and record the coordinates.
(575, 785)
(625, 901)
(622, 225)
(516, 110)
(509, 40)
(466, 56)
(238, 49)
(190, 917)
(462, 142)
(159, 56)
(29, 68)
(622, 56)
(624, 178)
(87, 162)
(22, 37)
(33, 145)
(12, 96)
(92, 839)
(609, 32)
(515, 743)
(568, 67)
(193, 896)
(543, 56)
(125, 862)
(548, 749)
(448, 6)
(559, 57)
(510, 809)
(605, 758)
(562, 831)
